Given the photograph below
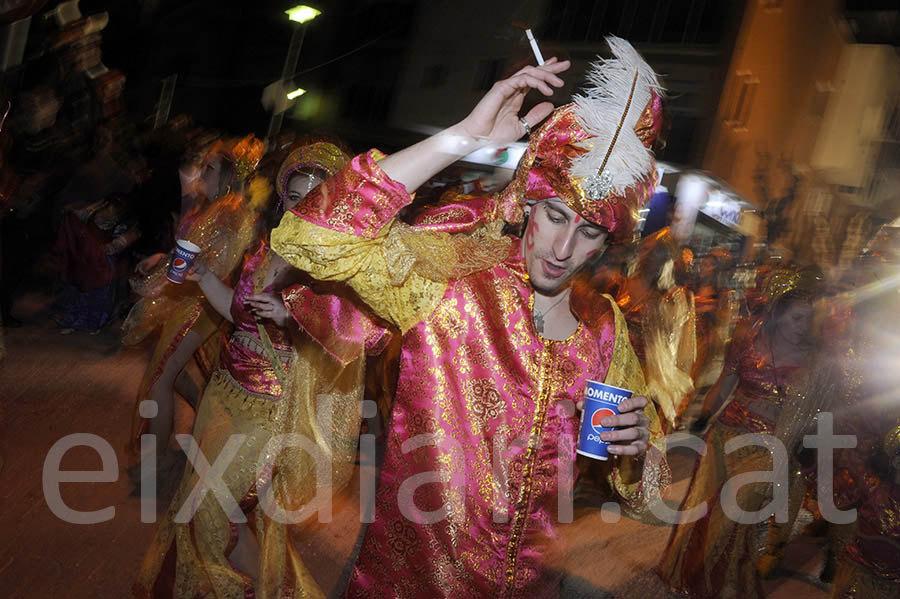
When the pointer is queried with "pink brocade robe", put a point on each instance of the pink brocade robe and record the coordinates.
(482, 435)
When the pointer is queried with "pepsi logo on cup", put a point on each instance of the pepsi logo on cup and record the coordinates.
(597, 417)
(600, 401)
(182, 258)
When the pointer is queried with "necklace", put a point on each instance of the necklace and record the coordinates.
(539, 317)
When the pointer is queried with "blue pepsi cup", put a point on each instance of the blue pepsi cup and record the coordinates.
(600, 401)
(182, 258)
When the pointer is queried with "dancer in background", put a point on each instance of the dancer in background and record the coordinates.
(778, 386)
(224, 228)
(272, 381)
(869, 567)
(661, 324)
(868, 476)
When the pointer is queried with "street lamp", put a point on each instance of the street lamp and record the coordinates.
(296, 93)
(301, 15)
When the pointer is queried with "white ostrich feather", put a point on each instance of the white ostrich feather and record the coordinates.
(599, 109)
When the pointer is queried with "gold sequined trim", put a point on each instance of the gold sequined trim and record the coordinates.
(253, 343)
(257, 407)
(537, 433)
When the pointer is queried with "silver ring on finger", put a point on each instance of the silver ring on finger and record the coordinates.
(525, 125)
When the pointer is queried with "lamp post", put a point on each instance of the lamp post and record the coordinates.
(302, 15)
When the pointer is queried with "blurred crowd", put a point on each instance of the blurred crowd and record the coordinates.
(735, 344)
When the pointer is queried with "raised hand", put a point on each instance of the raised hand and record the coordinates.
(496, 117)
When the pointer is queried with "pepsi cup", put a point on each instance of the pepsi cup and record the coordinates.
(182, 258)
(600, 401)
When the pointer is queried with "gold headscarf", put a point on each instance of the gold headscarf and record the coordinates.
(796, 281)
(322, 156)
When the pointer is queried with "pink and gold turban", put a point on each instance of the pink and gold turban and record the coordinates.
(594, 154)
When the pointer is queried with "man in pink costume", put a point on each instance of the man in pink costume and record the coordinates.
(479, 460)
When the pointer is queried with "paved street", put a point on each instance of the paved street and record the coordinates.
(54, 385)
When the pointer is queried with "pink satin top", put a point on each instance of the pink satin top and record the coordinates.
(759, 381)
(243, 355)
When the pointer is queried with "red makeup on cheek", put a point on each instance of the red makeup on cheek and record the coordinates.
(529, 234)
(592, 252)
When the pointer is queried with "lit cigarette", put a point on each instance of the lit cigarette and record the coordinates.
(534, 47)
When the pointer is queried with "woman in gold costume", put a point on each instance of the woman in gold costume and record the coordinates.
(661, 324)
(777, 390)
(223, 220)
(271, 383)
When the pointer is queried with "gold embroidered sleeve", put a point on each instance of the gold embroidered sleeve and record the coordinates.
(639, 481)
(362, 263)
